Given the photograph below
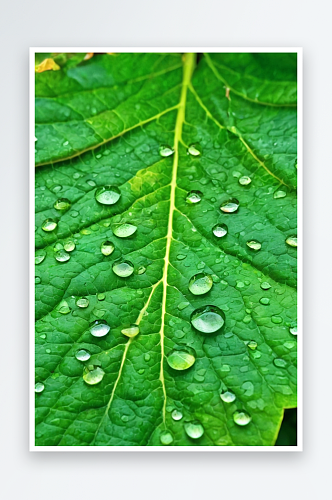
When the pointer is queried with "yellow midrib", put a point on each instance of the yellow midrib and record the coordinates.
(188, 67)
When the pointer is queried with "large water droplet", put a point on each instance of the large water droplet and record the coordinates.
(82, 302)
(123, 269)
(124, 230)
(280, 363)
(293, 330)
(194, 150)
(82, 355)
(194, 197)
(194, 429)
(99, 328)
(265, 285)
(254, 245)
(279, 194)
(241, 417)
(131, 331)
(227, 397)
(107, 195)
(62, 256)
(176, 415)
(265, 301)
(92, 375)
(220, 230)
(252, 344)
(165, 150)
(69, 246)
(200, 283)
(107, 248)
(166, 438)
(244, 180)
(49, 225)
(39, 387)
(208, 319)
(292, 241)
(62, 204)
(39, 258)
(181, 358)
(230, 206)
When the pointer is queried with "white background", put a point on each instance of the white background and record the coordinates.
(178, 476)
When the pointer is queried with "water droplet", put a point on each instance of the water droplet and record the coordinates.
(69, 246)
(82, 302)
(241, 417)
(39, 258)
(194, 197)
(181, 256)
(141, 270)
(280, 363)
(82, 355)
(194, 150)
(131, 331)
(293, 330)
(74, 213)
(92, 375)
(230, 206)
(165, 150)
(39, 387)
(244, 180)
(292, 241)
(101, 296)
(194, 429)
(43, 336)
(252, 344)
(265, 285)
(176, 415)
(265, 301)
(48, 351)
(166, 438)
(227, 397)
(181, 357)
(62, 204)
(279, 194)
(123, 269)
(65, 143)
(63, 307)
(200, 283)
(147, 357)
(91, 183)
(58, 246)
(208, 319)
(183, 305)
(62, 256)
(49, 225)
(107, 195)
(99, 328)
(124, 230)
(254, 245)
(107, 248)
(220, 230)
(276, 319)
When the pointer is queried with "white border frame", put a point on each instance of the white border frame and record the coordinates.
(32, 446)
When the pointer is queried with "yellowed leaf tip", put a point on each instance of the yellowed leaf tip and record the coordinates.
(46, 65)
(88, 56)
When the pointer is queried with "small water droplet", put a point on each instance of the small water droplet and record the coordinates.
(254, 245)
(131, 331)
(279, 363)
(40, 258)
(141, 371)
(194, 197)
(62, 204)
(63, 307)
(92, 375)
(141, 270)
(230, 206)
(227, 397)
(181, 256)
(124, 230)
(194, 150)
(220, 230)
(244, 180)
(165, 150)
(265, 285)
(181, 358)
(241, 417)
(194, 429)
(39, 387)
(69, 246)
(200, 265)
(176, 415)
(99, 328)
(252, 344)
(292, 241)
(123, 269)
(107, 248)
(276, 319)
(65, 143)
(98, 156)
(62, 256)
(82, 355)
(58, 246)
(82, 302)
(91, 183)
(265, 301)
(200, 283)
(279, 194)
(147, 357)
(49, 225)
(293, 330)
(74, 214)
(208, 319)
(48, 351)
(183, 305)
(101, 296)
(166, 438)
(43, 336)
(107, 195)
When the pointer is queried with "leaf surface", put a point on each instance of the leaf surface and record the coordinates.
(101, 122)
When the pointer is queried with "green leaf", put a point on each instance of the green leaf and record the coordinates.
(101, 122)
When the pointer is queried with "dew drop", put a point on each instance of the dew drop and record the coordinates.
(107, 248)
(293, 330)
(91, 183)
(82, 302)
(63, 307)
(181, 358)
(227, 397)
(123, 269)
(101, 296)
(82, 355)
(276, 319)
(194, 197)
(252, 344)
(181, 256)
(99, 328)
(49, 225)
(147, 357)
(62, 204)
(124, 230)
(39, 258)
(194, 429)
(220, 230)
(265, 301)
(176, 415)
(65, 143)
(292, 241)
(182, 305)
(48, 351)
(194, 150)
(166, 438)
(131, 331)
(62, 256)
(279, 194)
(265, 285)
(165, 150)
(58, 246)
(254, 245)
(92, 375)
(230, 206)
(69, 246)
(208, 319)
(74, 214)
(107, 195)
(39, 387)
(241, 417)
(200, 284)
(279, 363)
(141, 270)
(244, 180)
